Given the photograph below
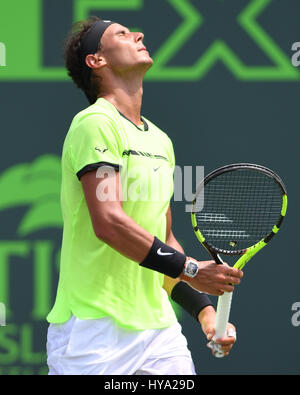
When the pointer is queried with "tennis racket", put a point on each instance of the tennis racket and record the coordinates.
(237, 209)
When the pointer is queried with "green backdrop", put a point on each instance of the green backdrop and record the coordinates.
(225, 90)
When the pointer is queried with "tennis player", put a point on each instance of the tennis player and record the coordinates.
(120, 261)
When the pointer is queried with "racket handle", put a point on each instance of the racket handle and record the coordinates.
(222, 318)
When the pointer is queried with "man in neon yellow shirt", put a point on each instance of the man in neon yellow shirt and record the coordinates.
(120, 259)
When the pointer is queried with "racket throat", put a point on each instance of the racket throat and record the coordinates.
(216, 257)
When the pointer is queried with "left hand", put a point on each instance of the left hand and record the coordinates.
(207, 319)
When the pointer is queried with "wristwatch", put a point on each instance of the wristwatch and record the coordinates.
(190, 268)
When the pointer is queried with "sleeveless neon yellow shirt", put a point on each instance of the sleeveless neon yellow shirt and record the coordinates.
(95, 280)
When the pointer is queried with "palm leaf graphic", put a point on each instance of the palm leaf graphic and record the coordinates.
(36, 185)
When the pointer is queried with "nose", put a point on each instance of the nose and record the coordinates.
(139, 36)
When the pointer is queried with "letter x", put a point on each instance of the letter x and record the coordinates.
(226, 31)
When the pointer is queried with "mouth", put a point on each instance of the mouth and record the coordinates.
(143, 49)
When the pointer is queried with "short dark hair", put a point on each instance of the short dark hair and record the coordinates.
(87, 82)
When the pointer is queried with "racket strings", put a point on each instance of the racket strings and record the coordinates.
(238, 209)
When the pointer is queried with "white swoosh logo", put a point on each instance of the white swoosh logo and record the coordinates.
(159, 252)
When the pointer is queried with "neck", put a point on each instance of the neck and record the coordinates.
(126, 96)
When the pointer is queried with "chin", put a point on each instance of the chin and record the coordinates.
(148, 61)
(145, 64)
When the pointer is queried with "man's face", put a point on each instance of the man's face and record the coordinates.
(124, 50)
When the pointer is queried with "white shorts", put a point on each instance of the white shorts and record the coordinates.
(100, 347)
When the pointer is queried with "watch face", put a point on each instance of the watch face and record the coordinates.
(191, 268)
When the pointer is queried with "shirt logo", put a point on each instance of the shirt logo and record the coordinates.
(159, 252)
(145, 154)
(101, 150)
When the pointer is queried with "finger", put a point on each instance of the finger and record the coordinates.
(233, 280)
(231, 331)
(234, 272)
(210, 333)
(229, 278)
(226, 349)
(225, 341)
(230, 337)
(227, 287)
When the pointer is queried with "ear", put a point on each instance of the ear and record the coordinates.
(95, 61)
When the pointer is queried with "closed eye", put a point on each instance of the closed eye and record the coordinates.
(122, 32)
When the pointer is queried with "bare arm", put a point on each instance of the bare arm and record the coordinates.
(110, 222)
(169, 282)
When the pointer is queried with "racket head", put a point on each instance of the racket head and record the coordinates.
(238, 206)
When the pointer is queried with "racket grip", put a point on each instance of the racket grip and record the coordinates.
(222, 318)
